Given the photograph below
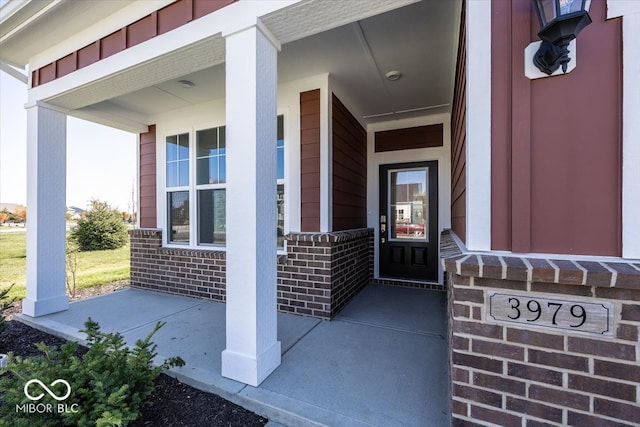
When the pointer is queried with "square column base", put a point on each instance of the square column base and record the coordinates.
(249, 370)
(41, 307)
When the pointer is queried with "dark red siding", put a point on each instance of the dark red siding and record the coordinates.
(349, 169)
(556, 143)
(142, 30)
(459, 139)
(161, 21)
(310, 160)
(409, 138)
(147, 209)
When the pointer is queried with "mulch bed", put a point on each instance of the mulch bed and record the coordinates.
(171, 404)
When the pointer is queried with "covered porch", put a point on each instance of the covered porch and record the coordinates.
(382, 361)
(258, 122)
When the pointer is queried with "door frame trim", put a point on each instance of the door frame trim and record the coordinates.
(441, 154)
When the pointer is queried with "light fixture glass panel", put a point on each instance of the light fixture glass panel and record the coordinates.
(569, 6)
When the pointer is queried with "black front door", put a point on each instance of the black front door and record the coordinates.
(408, 221)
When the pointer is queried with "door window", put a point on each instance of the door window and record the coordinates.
(408, 204)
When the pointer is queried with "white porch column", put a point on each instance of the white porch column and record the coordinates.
(252, 351)
(46, 209)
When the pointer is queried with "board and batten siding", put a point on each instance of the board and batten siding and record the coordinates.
(310, 160)
(349, 188)
(458, 140)
(556, 142)
(147, 208)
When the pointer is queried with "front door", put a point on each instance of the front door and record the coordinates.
(408, 221)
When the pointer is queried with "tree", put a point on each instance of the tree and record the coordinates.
(4, 216)
(20, 213)
(101, 228)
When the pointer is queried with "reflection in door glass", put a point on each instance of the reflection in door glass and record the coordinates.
(408, 204)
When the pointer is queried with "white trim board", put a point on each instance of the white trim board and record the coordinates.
(630, 13)
(478, 145)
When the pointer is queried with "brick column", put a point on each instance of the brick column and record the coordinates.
(252, 350)
(512, 372)
(46, 204)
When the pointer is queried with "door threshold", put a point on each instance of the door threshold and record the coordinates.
(408, 283)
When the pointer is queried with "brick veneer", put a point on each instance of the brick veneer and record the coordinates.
(518, 375)
(326, 271)
(318, 277)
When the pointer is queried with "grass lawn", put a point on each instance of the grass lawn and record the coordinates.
(94, 267)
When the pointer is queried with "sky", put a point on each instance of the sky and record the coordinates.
(101, 161)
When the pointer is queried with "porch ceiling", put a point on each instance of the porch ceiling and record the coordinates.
(359, 46)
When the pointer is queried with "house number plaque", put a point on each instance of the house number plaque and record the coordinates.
(534, 310)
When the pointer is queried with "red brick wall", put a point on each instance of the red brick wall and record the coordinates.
(511, 374)
(324, 271)
(318, 277)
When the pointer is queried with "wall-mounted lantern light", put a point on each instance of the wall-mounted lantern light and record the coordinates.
(560, 22)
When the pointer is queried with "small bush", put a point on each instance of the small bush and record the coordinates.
(109, 384)
(101, 228)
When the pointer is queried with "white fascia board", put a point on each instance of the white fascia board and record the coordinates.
(13, 72)
(11, 7)
(478, 144)
(19, 6)
(107, 119)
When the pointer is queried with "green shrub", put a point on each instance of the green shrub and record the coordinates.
(101, 228)
(109, 384)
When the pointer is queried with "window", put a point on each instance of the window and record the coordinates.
(209, 189)
(280, 177)
(177, 181)
(211, 178)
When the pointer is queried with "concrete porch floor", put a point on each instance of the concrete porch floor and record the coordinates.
(382, 361)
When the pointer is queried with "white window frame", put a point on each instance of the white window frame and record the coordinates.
(194, 241)
(193, 188)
